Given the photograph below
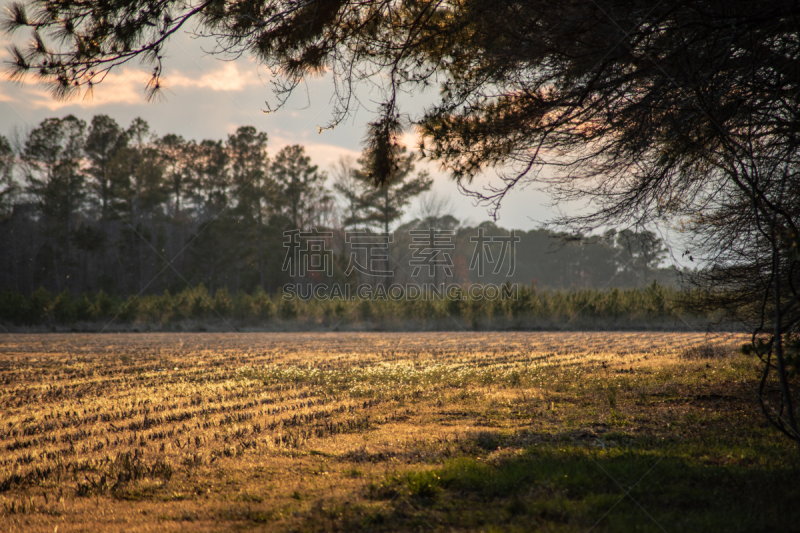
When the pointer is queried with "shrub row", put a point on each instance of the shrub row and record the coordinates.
(259, 308)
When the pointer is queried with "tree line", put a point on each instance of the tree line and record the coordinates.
(94, 207)
(99, 206)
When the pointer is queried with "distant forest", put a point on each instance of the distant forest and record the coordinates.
(97, 207)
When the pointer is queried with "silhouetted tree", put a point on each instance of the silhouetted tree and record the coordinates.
(300, 186)
(103, 142)
(383, 205)
(176, 159)
(139, 194)
(210, 165)
(347, 185)
(8, 187)
(247, 150)
(51, 161)
(640, 253)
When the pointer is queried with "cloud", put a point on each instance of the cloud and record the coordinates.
(324, 155)
(227, 78)
(126, 86)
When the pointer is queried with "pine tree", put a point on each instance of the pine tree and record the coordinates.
(300, 186)
(381, 206)
(51, 158)
(8, 187)
(104, 141)
(176, 159)
(249, 165)
(140, 194)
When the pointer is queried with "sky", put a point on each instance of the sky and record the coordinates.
(209, 98)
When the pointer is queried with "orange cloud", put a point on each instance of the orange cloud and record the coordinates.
(227, 78)
(127, 86)
(321, 154)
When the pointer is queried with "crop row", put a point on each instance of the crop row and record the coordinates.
(291, 431)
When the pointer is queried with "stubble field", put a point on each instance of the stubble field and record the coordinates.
(387, 432)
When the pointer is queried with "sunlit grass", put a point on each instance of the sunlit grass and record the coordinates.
(387, 432)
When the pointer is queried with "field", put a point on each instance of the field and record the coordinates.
(388, 432)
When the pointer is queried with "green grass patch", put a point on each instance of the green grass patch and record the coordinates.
(624, 489)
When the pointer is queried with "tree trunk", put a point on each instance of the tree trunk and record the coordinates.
(67, 248)
(777, 341)
(386, 233)
(134, 253)
(260, 249)
(17, 284)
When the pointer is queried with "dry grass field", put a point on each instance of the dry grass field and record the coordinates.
(387, 432)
